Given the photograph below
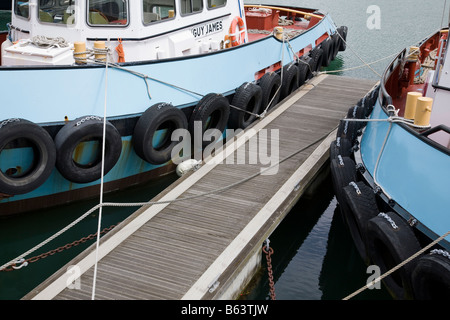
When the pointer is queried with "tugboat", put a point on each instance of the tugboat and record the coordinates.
(390, 167)
(138, 71)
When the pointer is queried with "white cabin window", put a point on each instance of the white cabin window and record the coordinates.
(157, 10)
(21, 8)
(191, 6)
(212, 4)
(108, 12)
(57, 11)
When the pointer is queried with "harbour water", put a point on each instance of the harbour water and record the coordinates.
(314, 257)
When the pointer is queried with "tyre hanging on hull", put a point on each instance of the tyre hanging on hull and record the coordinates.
(211, 112)
(22, 134)
(317, 58)
(303, 71)
(152, 134)
(361, 201)
(340, 146)
(343, 171)
(336, 44)
(289, 80)
(247, 100)
(79, 149)
(270, 84)
(390, 242)
(328, 51)
(431, 276)
(342, 30)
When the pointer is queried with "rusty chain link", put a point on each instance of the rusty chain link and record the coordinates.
(269, 251)
(59, 249)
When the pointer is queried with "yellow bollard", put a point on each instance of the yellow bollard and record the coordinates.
(423, 111)
(171, 13)
(79, 48)
(100, 45)
(278, 32)
(411, 102)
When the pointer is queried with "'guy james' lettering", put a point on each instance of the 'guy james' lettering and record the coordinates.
(206, 29)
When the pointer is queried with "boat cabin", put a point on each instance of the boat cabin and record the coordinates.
(147, 29)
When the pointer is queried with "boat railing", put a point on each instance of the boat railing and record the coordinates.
(435, 129)
(440, 59)
(386, 99)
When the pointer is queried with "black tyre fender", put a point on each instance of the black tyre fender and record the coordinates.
(317, 58)
(87, 128)
(343, 171)
(336, 44)
(361, 201)
(160, 116)
(33, 135)
(328, 50)
(343, 33)
(270, 84)
(348, 129)
(357, 112)
(289, 80)
(212, 111)
(340, 146)
(304, 71)
(431, 276)
(390, 242)
(247, 97)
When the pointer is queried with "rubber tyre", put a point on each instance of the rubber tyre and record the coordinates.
(342, 173)
(213, 111)
(363, 207)
(343, 32)
(270, 84)
(86, 129)
(340, 146)
(357, 112)
(336, 44)
(289, 80)
(348, 130)
(248, 97)
(157, 117)
(388, 247)
(303, 72)
(317, 58)
(431, 278)
(328, 50)
(44, 155)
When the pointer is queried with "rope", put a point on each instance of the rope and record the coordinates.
(358, 67)
(46, 42)
(149, 203)
(101, 180)
(397, 267)
(359, 57)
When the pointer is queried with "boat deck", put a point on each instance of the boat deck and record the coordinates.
(181, 250)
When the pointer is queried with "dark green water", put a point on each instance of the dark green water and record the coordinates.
(314, 257)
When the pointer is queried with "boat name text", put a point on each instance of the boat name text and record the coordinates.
(207, 29)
